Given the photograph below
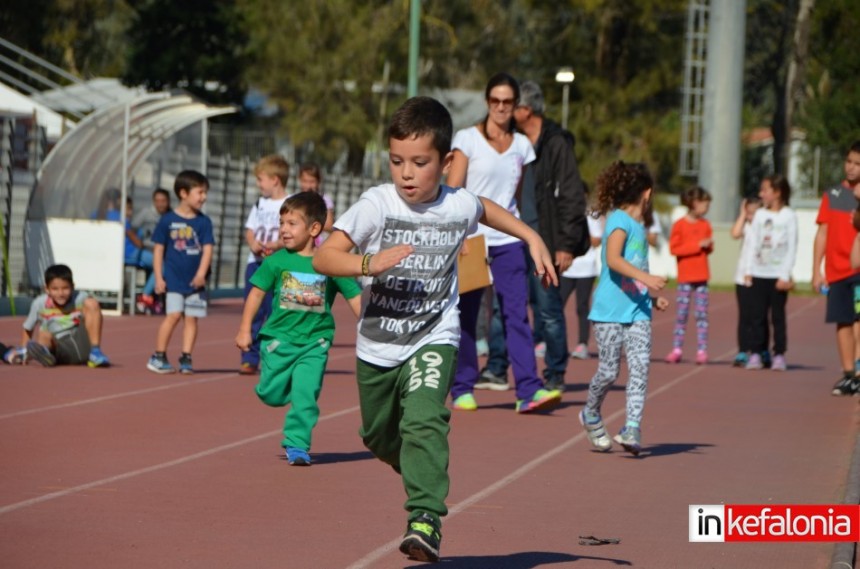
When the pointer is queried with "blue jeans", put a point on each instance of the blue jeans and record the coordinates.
(143, 258)
(497, 359)
(252, 356)
(550, 324)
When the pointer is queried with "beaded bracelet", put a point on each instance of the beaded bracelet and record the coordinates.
(365, 264)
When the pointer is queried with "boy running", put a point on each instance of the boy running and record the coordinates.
(408, 235)
(297, 336)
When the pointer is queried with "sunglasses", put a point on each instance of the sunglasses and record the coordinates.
(505, 103)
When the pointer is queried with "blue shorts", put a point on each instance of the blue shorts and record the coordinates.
(840, 301)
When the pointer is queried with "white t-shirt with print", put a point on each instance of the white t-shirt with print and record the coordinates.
(587, 265)
(773, 249)
(415, 303)
(264, 220)
(494, 175)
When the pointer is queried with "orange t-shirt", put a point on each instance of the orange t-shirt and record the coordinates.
(836, 210)
(684, 243)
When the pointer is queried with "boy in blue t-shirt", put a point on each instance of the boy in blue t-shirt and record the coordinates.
(295, 340)
(182, 256)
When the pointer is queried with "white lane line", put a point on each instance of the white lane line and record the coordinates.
(155, 468)
(178, 384)
(115, 396)
(392, 545)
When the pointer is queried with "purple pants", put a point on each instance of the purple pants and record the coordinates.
(508, 266)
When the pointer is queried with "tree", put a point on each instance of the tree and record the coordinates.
(320, 64)
(196, 45)
(85, 37)
(831, 113)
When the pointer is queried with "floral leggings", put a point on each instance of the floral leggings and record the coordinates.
(635, 338)
(699, 294)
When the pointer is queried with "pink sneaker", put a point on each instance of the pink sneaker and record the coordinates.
(674, 356)
(701, 357)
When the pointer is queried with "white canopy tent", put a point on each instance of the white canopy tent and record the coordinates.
(91, 165)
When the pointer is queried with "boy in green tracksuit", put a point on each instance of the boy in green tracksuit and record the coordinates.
(295, 340)
(409, 234)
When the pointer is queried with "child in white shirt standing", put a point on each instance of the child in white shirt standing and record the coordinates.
(579, 278)
(740, 230)
(767, 267)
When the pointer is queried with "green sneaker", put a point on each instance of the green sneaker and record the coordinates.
(422, 538)
(542, 400)
(466, 402)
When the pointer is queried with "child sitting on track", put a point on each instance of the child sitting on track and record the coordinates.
(70, 324)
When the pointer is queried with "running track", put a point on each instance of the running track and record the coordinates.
(121, 468)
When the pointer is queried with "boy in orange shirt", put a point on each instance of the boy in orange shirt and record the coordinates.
(691, 241)
(832, 270)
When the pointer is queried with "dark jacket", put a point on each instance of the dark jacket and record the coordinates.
(559, 193)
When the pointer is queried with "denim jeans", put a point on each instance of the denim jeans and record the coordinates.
(550, 324)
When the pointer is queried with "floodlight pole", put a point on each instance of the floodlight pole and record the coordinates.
(414, 42)
(126, 129)
(564, 76)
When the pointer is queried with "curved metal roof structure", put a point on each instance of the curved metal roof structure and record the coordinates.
(105, 149)
(91, 167)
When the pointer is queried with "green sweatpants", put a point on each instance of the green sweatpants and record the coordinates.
(292, 374)
(404, 422)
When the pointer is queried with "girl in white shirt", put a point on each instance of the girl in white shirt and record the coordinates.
(767, 268)
(579, 278)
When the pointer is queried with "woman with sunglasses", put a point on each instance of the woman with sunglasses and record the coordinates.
(488, 161)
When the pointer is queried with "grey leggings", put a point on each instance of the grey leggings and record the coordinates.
(636, 340)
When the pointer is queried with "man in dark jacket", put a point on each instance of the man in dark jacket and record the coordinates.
(552, 203)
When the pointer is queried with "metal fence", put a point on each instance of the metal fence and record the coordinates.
(232, 193)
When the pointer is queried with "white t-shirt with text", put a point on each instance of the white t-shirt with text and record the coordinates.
(264, 220)
(415, 303)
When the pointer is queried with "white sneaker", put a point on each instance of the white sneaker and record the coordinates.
(596, 433)
(580, 352)
(540, 350)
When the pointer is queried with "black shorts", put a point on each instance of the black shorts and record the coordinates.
(73, 346)
(840, 301)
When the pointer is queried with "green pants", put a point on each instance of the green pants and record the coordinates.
(404, 422)
(292, 374)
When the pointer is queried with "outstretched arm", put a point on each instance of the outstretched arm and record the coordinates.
(499, 218)
(335, 258)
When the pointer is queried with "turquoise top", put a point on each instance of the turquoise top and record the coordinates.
(617, 298)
